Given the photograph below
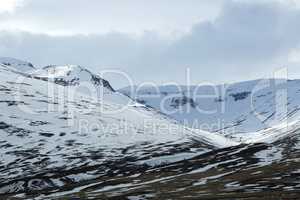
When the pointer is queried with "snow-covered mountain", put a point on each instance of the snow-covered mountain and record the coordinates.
(50, 139)
(60, 141)
(236, 108)
(71, 75)
(19, 65)
(82, 80)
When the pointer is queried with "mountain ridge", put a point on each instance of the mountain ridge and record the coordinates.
(238, 108)
(44, 134)
(86, 147)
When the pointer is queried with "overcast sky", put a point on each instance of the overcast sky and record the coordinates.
(156, 40)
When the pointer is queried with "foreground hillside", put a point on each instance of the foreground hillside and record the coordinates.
(255, 172)
(53, 136)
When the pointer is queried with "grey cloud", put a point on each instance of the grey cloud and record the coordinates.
(102, 16)
(243, 33)
(247, 40)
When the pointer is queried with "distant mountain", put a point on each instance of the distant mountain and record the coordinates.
(229, 109)
(19, 65)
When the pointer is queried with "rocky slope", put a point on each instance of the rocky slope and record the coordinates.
(256, 171)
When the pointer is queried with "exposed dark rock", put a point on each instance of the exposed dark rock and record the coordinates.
(240, 95)
(62, 134)
(13, 103)
(46, 134)
(181, 101)
(38, 123)
(3, 125)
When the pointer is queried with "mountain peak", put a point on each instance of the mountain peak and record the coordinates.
(20, 65)
(71, 75)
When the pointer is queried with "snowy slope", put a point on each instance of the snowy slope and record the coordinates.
(47, 135)
(270, 135)
(69, 75)
(230, 109)
(59, 140)
(83, 81)
(19, 65)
